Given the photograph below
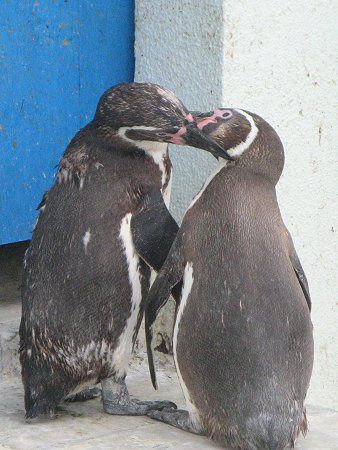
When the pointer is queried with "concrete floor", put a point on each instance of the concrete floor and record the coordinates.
(84, 425)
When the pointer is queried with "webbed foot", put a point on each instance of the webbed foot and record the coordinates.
(116, 401)
(176, 418)
(136, 407)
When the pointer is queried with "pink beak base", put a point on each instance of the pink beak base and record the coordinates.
(176, 138)
(217, 113)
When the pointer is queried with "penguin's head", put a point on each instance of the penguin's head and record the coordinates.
(247, 138)
(144, 113)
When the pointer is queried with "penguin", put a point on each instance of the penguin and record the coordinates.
(243, 340)
(102, 227)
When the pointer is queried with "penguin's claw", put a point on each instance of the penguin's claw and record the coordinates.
(86, 394)
(137, 408)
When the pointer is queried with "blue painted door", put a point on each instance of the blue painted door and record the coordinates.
(56, 59)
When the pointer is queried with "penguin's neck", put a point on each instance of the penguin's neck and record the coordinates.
(158, 153)
(222, 163)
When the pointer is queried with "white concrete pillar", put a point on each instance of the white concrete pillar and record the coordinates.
(277, 59)
(179, 44)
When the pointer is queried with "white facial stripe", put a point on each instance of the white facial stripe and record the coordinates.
(157, 150)
(240, 148)
(144, 145)
(235, 151)
(122, 130)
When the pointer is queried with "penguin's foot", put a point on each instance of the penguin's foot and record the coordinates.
(86, 394)
(136, 407)
(176, 418)
(116, 401)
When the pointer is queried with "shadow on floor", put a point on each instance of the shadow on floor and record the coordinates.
(11, 257)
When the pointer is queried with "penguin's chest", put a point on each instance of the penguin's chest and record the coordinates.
(123, 349)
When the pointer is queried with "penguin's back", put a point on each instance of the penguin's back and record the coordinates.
(77, 290)
(250, 355)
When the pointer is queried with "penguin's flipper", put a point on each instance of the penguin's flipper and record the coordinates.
(43, 201)
(301, 277)
(297, 267)
(169, 276)
(153, 229)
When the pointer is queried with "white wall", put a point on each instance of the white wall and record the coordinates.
(277, 59)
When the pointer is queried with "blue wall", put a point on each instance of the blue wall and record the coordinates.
(56, 59)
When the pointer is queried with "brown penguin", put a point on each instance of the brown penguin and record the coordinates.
(243, 343)
(102, 226)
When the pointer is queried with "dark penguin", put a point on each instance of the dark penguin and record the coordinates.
(101, 227)
(243, 342)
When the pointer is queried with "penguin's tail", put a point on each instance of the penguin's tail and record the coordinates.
(275, 432)
(43, 388)
(41, 397)
(35, 409)
(263, 432)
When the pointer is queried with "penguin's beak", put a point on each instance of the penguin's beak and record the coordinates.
(194, 137)
(189, 134)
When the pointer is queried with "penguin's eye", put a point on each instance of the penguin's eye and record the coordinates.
(226, 113)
